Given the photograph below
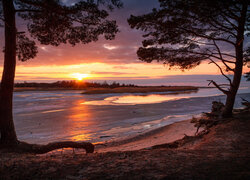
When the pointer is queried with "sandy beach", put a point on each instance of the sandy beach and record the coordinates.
(166, 134)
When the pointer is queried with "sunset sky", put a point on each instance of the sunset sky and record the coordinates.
(102, 60)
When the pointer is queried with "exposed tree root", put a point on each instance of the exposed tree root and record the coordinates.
(209, 119)
(23, 147)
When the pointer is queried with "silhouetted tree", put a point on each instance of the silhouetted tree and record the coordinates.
(50, 22)
(183, 33)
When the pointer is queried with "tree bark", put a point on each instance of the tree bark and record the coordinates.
(238, 65)
(8, 134)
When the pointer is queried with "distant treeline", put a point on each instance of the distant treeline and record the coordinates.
(73, 84)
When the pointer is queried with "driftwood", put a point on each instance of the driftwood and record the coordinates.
(23, 147)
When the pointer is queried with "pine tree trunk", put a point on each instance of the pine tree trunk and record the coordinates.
(238, 65)
(229, 105)
(8, 134)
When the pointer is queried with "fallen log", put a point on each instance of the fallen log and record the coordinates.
(23, 147)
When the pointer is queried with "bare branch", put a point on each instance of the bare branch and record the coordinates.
(229, 22)
(217, 86)
(224, 85)
(218, 49)
(211, 54)
(229, 55)
(225, 54)
(229, 14)
(232, 15)
(230, 81)
(199, 42)
(218, 57)
(206, 36)
(223, 61)
(221, 27)
(228, 68)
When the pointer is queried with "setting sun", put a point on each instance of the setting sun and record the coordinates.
(80, 76)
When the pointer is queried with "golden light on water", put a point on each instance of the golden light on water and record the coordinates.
(81, 117)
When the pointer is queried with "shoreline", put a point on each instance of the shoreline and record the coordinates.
(161, 135)
(166, 134)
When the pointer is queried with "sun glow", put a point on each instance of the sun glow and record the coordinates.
(80, 76)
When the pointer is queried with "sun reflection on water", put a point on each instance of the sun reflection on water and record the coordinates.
(148, 99)
(80, 118)
(135, 99)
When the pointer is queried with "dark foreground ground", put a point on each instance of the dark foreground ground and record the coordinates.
(223, 153)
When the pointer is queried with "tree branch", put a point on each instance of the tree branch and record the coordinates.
(218, 49)
(217, 86)
(199, 42)
(228, 68)
(230, 81)
(224, 54)
(229, 22)
(207, 37)
(223, 61)
(229, 55)
(221, 27)
(204, 54)
(232, 15)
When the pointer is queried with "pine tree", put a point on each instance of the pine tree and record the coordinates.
(50, 22)
(184, 33)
